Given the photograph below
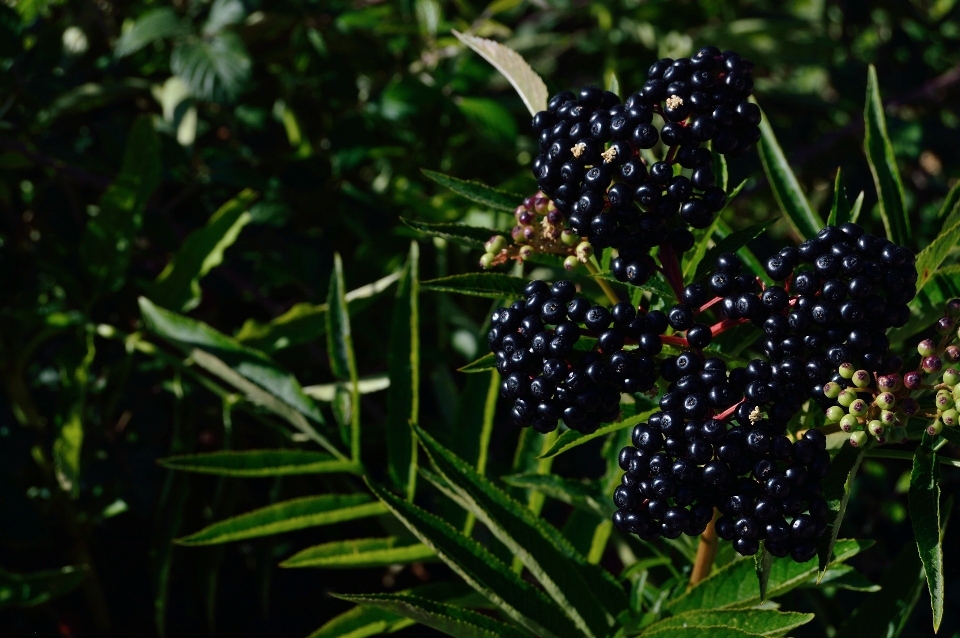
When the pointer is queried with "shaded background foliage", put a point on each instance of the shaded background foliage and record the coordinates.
(328, 109)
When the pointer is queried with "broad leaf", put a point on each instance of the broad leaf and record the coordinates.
(924, 503)
(460, 233)
(178, 286)
(883, 165)
(452, 620)
(403, 398)
(571, 438)
(364, 552)
(483, 284)
(488, 196)
(361, 622)
(215, 68)
(153, 25)
(936, 252)
(481, 570)
(287, 516)
(36, 588)
(731, 244)
(107, 241)
(483, 364)
(763, 622)
(222, 14)
(258, 463)
(735, 586)
(525, 80)
(343, 364)
(546, 553)
(786, 189)
(836, 484)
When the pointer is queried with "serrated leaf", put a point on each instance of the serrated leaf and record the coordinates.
(936, 252)
(361, 622)
(488, 196)
(786, 189)
(403, 398)
(843, 577)
(734, 585)
(692, 632)
(481, 570)
(761, 622)
(448, 619)
(178, 286)
(731, 244)
(473, 236)
(258, 463)
(762, 564)
(548, 556)
(481, 284)
(36, 588)
(483, 364)
(287, 516)
(843, 467)
(363, 552)
(107, 241)
(343, 364)
(655, 285)
(524, 79)
(883, 165)
(840, 210)
(215, 68)
(571, 438)
(950, 209)
(924, 507)
(581, 495)
(153, 25)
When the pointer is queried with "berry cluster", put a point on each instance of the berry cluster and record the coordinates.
(562, 357)
(878, 405)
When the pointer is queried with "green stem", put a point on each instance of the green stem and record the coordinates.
(878, 453)
(607, 290)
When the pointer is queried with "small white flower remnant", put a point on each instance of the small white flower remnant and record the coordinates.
(578, 149)
(755, 415)
(674, 101)
(609, 155)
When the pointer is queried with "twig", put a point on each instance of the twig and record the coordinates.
(706, 553)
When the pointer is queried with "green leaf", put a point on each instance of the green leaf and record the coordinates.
(950, 210)
(403, 398)
(571, 438)
(178, 286)
(883, 165)
(721, 171)
(762, 564)
(107, 242)
(343, 364)
(449, 619)
(583, 496)
(936, 252)
(843, 577)
(473, 236)
(547, 554)
(761, 622)
(488, 196)
(364, 552)
(483, 364)
(524, 79)
(786, 189)
(305, 322)
(222, 14)
(856, 208)
(36, 588)
(693, 259)
(734, 585)
(924, 505)
(731, 244)
(483, 284)
(836, 490)
(694, 632)
(327, 392)
(481, 570)
(215, 68)
(257, 463)
(287, 516)
(361, 622)
(156, 24)
(840, 211)
(886, 612)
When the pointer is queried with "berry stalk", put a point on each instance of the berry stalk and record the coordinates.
(706, 553)
(607, 290)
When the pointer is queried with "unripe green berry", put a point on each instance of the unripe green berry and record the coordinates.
(888, 418)
(858, 439)
(849, 423)
(943, 400)
(950, 418)
(951, 377)
(834, 413)
(846, 370)
(861, 378)
(831, 390)
(926, 347)
(584, 250)
(570, 262)
(859, 408)
(486, 260)
(495, 244)
(846, 397)
(526, 252)
(935, 428)
(569, 238)
(956, 392)
(886, 401)
(875, 428)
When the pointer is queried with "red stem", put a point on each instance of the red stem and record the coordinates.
(710, 303)
(726, 324)
(674, 340)
(726, 413)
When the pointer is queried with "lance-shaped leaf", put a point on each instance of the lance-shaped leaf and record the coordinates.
(36, 588)
(259, 463)
(703, 237)
(473, 236)
(936, 252)
(763, 622)
(924, 506)
(950, 209)
(403, 398)
(287, 516)
(762, 564)
(488, 196)
(481, 570)
(584, 496)
(692, 632)
(327, 392)
(786, 189)
(363, 552)
(836, 490)
(481, 284)
(343, 364)
(883, 165)
(840, 210)
(361, 622)
(571, 438)
(735, 586)
(449, 619)
(178, 286)
(524, 79)
(731, 244)
(551, 559)
(483, 364)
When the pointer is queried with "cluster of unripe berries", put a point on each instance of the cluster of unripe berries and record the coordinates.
(539, 227)
(592, 146)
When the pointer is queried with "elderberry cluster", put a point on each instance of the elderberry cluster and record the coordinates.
(562, 357)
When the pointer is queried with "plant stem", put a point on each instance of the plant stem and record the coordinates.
(706, 552)
(604, 285)
(670, 268)
(875, 453)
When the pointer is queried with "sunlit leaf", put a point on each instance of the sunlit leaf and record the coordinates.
(152, 25)
(256, 463)
(215, 68)
(924, 505)
(883, 165)
(524, 79)
(755, 621)
(480, 284)
(488, 196)
(364, 552)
